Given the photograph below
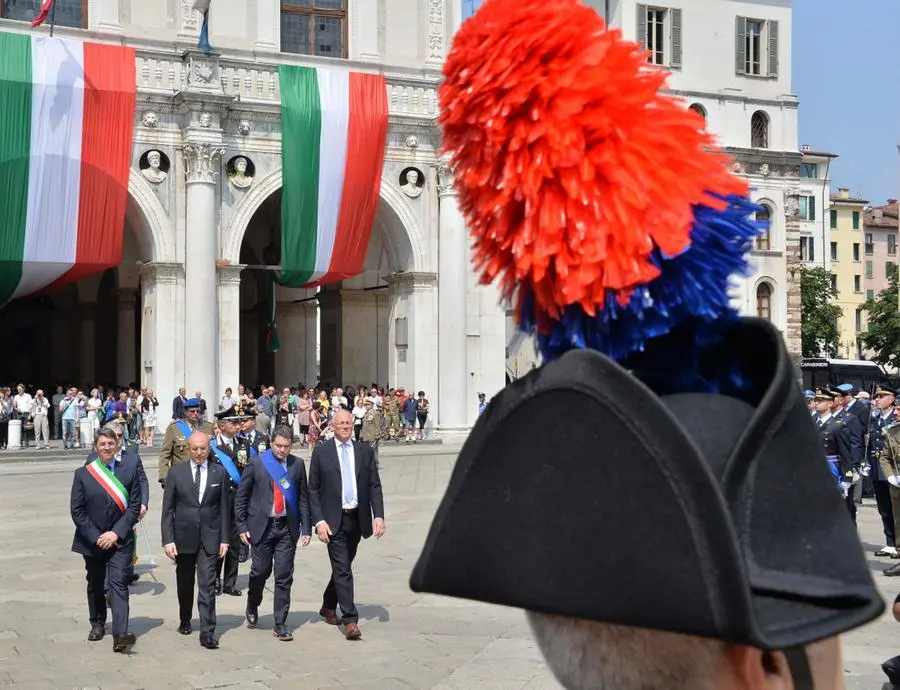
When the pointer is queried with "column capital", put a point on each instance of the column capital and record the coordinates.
(229, 274)
(161, 273)
(444, 170)
(127, 297)
(202, 162)
(411, 282)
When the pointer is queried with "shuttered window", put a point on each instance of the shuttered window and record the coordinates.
(659, 33)
(756, 47)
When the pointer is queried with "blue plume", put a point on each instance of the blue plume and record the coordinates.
(203, 43)
(692, 287)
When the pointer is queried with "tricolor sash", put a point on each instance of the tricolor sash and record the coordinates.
(109, 483)
(184, 428)
(226, 461)
(282, 480)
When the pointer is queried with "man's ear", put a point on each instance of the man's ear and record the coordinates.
(754, 669)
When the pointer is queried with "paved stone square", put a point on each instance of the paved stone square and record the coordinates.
(409, 640)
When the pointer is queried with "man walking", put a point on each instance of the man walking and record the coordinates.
(271, 511)
(346, 504)
(196, 526)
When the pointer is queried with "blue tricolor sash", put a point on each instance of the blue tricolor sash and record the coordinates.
(226, 461)
(184, 428)
(282, 480)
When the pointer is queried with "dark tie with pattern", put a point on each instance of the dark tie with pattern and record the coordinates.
(197, 481)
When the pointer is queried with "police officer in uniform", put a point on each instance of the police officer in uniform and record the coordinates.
(880, 419)
(258, 442)
(175, 446)
(232, 452)
(835, 435)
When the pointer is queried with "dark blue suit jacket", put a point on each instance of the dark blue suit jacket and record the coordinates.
(256, 494)
(131, 450)
(94, 512)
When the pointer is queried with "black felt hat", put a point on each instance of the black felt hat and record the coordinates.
(750, 540)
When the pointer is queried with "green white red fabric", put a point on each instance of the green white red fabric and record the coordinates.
(334, 127)
(109, 483)
(66, 124)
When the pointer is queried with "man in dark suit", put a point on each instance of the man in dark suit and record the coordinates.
(105, 506)
(233, 453)
(346, 504)
(178, 404)
(259, 443)
(271, 512)
(196, 528)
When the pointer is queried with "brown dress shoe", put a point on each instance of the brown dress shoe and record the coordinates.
(352, 631)
(329, 615)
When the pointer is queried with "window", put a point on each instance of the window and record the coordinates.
(756, 47)
(834, 251)
(857, 283)
(469, 7)
(314, 27)
(833, 219)
(764, 239)
(856, 220)
(701, 111)
(809, 170)
(759, 130)
(892, 245)
(807, 207)
(870, 271)
(888, 269)
(870, 248)
(807, 249)
(659, 32)
(68, 12)
(834, 282)
(764, 301)
(870, 294)
(859, 320)
(856, 251)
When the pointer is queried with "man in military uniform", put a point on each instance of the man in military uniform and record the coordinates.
(372, 427)
(257, 441)
(175, 446)
(889, 466)
(392, 414)
(232, 452)
(880, 419)
(836, 442)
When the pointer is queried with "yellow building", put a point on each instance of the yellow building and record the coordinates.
(847, 256)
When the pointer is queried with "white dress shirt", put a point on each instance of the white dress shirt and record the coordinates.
(203, 475)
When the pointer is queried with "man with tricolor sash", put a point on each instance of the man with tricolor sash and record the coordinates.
(175, 444)
(233, 453)
(105, 507)
(271, 512)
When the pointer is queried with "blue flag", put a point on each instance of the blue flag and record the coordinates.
(202, 6)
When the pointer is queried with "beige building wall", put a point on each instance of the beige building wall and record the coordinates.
(847, 256)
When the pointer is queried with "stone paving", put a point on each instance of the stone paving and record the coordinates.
(409, 640)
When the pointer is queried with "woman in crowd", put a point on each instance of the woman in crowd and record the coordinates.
(93, 408)
(422, 407)
(304, 407)
(5, 412)
(149, 404)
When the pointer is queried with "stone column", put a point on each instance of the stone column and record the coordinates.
(103, 17)
(298, 335)
(414, 364)
(202, 162)
(229, 298)
(435, 33)
(126, 356)
(452, 274)
(268, 24)
(490, 376)
(162, 333)
(87, 312)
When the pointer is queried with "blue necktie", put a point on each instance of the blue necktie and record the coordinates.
(112, 466)
(347, 471)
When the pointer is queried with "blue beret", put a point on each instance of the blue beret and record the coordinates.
(809, 394)
(845, 388)
(191, 402)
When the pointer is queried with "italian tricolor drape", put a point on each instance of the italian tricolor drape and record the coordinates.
(66, 119)
(334, 127)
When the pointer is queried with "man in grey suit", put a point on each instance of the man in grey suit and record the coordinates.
(196, 525)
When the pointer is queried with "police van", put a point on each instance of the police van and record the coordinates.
(863, 375)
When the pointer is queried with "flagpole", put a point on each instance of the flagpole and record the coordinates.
(52, 18)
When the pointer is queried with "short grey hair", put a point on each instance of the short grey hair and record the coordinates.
(114, 427)
(586, 655)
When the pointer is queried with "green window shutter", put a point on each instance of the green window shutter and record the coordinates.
(812, 208)
(676, 38)
(740, 45)
(772, 27)
(642, 26)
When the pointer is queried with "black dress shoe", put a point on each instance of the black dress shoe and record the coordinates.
(231, 591)
(891, 668)
(252, 617)
(123, 643)
(283, 635)
(218, 586)
(134, 578)
(893, 571)
(209, 642)
(97, 632)
(185, 628)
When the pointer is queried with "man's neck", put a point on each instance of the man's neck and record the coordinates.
(225, 437)
(824, 415)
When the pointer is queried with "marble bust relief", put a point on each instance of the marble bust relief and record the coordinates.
(155, 168)
(412, 182)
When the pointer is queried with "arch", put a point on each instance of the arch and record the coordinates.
(759, 130)
(764, 291)
(764, 241)
(233, 236)
(152, 228)
(701, 111)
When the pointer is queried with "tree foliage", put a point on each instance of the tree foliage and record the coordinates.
(819, 330)
(883, 334)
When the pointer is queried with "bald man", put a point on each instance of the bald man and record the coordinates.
(196, 526)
